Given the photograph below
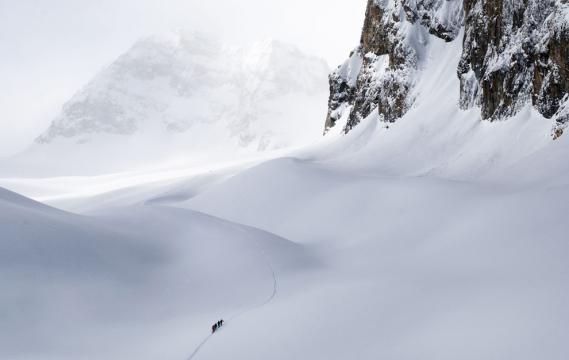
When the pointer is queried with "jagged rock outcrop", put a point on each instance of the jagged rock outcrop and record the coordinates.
(443, 18)
(379, 74)
(514, 53)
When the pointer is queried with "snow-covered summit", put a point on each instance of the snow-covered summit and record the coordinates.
(180, 82)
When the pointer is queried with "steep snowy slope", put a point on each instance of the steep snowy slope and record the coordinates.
(184, 97)
(383, 69)
(513, 54)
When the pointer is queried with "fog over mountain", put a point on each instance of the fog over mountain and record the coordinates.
(184, 96)
(54, 48)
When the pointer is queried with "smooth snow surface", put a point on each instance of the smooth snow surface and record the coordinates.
(115, 285)
(437, 237)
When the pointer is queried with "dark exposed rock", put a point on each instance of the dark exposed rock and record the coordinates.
(514, 52)
(342, 88)
(383, 81)
(433, 14)
(386, 60)
(341, 93)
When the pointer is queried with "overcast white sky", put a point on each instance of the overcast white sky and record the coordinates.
(49, 49)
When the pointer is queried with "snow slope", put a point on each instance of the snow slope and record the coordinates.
(436, 244)
(417, 268)
(444, 236)
(101, 287)
(437, 237)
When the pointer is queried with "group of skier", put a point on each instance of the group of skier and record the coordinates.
(216, 326)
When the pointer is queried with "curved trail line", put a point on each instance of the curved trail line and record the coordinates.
(200, 346)
(232, 318)
(268, 300)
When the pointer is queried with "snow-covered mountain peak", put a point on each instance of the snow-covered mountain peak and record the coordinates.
(141, 87)
(193, 90)
(180, 79)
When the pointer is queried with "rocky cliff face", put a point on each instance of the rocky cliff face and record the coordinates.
(514, 52)
(380, 73)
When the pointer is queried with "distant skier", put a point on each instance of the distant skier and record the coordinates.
(220, 322)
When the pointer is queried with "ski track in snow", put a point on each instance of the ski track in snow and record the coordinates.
(238, 315)
(200, 346)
